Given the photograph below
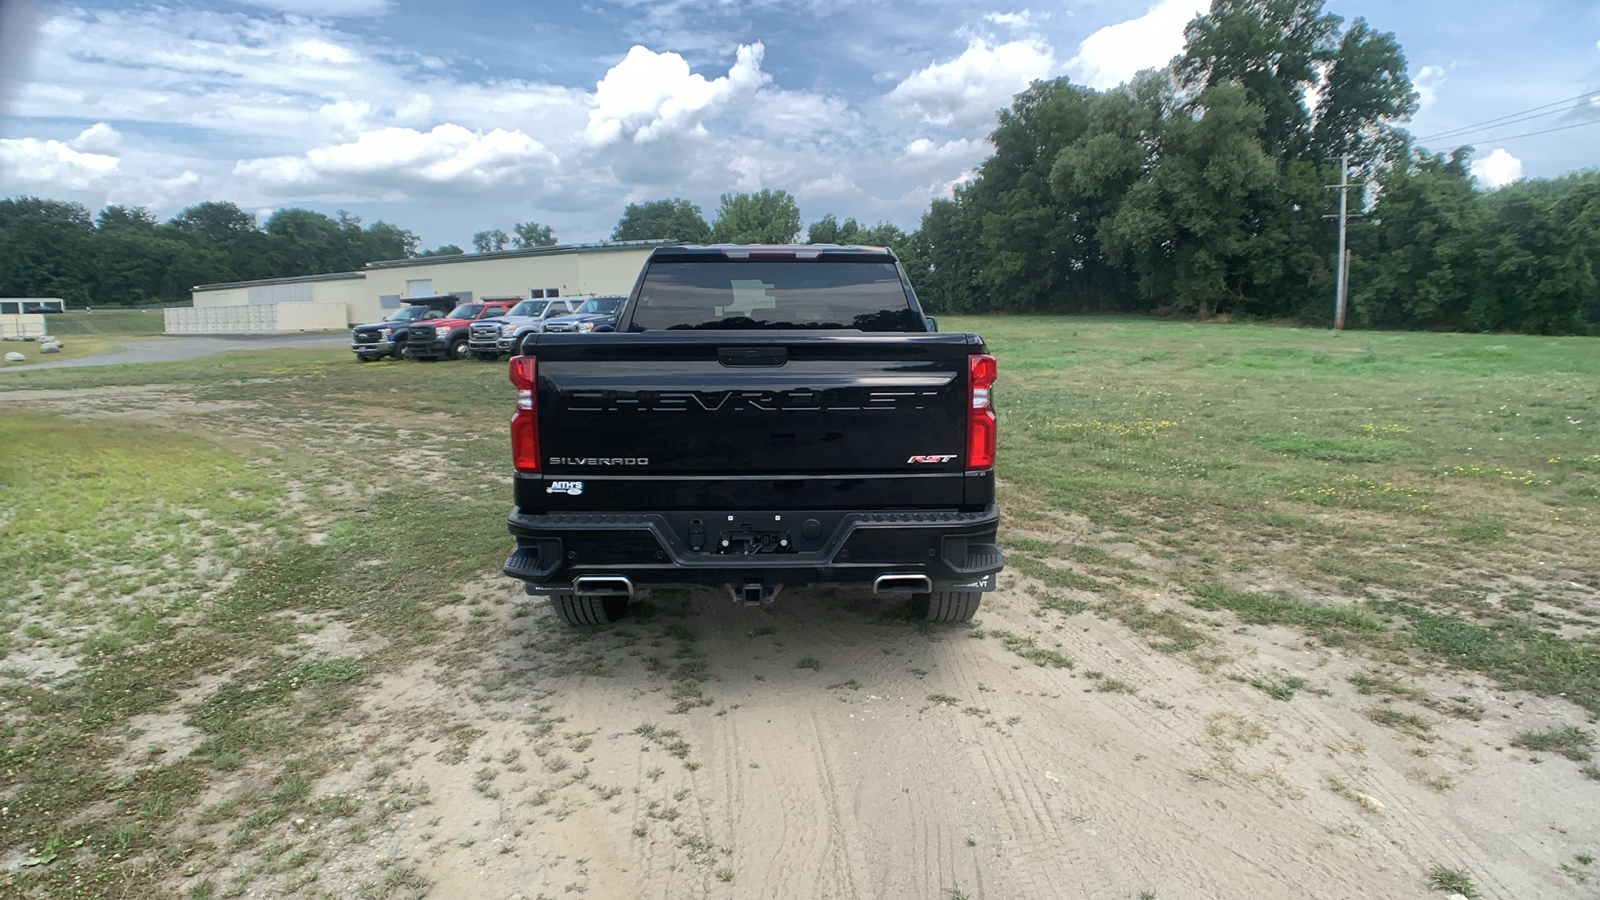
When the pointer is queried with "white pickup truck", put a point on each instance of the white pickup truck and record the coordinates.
(490, 339)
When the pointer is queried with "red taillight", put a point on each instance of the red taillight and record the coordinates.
(525, 421)
(981, 425)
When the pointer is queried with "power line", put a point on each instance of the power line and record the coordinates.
(1501, 120)
(1497, 140)
(1508, 121)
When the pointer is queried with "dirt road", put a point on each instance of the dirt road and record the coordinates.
(172, 349)
(906, 762)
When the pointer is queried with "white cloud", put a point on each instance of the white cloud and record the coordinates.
(1019, 20)
(836, 186)
(966, 149)
(97, 138)
(261, 81)
(650, 95)
(325, 8)
(70, 165)
(1498, 169)
(801, 115)
(1427, 82)
(323, 51)
(1116, 53)
(392, 162)
(966, 91)
(135, 189)
(939, 189)
(748, 172)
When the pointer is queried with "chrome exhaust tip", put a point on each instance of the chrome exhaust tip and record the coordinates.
(916, 584)
(603, 585)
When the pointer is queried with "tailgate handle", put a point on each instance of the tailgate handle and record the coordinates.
(753, 356)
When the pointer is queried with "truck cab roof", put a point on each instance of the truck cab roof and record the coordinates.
(774, 252)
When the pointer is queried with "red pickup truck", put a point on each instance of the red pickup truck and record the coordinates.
(447, 337)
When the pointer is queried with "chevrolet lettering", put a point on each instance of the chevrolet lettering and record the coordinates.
(772, 417)
(800, 400)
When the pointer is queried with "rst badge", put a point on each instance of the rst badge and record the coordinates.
(571, 488)
(930, 459)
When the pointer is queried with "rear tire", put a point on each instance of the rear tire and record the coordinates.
(946, 606)
(588, 609)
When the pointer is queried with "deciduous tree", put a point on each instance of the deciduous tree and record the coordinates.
(765, 217)
(672, 220)
(490, 241)
(532, 234)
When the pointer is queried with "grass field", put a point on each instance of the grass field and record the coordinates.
(180, 534)
(1432, 495)
(113, 321)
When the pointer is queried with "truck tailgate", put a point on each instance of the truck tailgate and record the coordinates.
(667, 417)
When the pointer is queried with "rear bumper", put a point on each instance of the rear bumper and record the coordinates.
(955, 550)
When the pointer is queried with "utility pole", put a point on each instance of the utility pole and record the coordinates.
(1342, 270)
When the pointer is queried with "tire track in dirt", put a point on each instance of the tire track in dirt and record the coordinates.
(847, 782)
(1045, 860)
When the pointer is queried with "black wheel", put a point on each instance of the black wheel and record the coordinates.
(588, 609)
(400, 351)
(521, 347)
(946, 606)
(458, 349)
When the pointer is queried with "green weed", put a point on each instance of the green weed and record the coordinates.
(1277, 609)
(1570, 741)
(1454, 881)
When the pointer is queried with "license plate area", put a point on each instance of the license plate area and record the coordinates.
(747, 541)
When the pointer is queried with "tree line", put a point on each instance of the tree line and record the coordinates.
(1203, 188)
(124, 257)
(1200, 188)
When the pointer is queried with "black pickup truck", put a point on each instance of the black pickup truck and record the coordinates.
(761, 416)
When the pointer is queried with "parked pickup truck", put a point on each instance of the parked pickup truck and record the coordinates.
(491, 338)
(594, 313)
(446, 338)
(389, 337)
(761, 417)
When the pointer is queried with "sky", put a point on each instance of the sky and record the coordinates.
(448, 117)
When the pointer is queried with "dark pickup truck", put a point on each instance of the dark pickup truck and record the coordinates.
(760, 417)
(388, 338)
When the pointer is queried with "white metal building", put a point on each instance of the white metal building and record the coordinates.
(341, 299)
